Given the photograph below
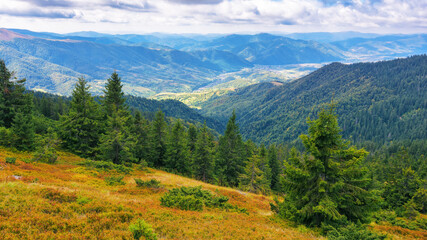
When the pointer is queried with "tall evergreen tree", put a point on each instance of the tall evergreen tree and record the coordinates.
(158, 146)
(192, 138)
(81, 127)
(140, 130)
(275, 168)
(328, 185)
(178, 155)
(114, 97)
(12, 96)
(253, 179)
(231, 157)
(203, 155)
(23, 131)
(264, 166)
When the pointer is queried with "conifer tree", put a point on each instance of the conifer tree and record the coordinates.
(192, 138)
(264, 166)
(230, 158)
(23, 131)
(140, 130)
(12, 96)
(158, 146)
(81, 127)
(253, 179)
(114, 96)
(327, 185)
(117, 145)
(275, 168)
(178, 155)
(203, 155)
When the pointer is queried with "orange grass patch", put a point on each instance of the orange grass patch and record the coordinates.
(67, 201)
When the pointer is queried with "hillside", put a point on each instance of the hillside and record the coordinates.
(383, 101)
(72, 201)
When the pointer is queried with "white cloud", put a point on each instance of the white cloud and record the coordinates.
(216, 15)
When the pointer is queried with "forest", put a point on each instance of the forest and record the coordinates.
(321, 181)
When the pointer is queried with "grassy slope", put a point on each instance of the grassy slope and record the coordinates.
(67, 201)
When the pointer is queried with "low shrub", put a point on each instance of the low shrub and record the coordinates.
(106, 166)
(195, 199)
(142, 229)
(58, 196)
(152, 183)
(10, 160)
(114, 181)
(352, 231)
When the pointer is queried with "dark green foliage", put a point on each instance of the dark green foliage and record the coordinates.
(203, 156)
(106, 166)
(81, 127)
(352, 231)
(46, 151)
(140, 130)
(141, 229)
(114, 180)
(114, 97)
(10, 160)
(195, 199)
(253, 179)
(192, 137)
(177, 154)
(273, 162)
(158, 145)
(23, 131)
(230, 154)
(328, 184)
(152, 183)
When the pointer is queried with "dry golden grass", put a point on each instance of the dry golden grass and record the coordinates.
(68, 201)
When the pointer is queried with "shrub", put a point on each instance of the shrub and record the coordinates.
(352, 231)
(106, 166)
(142, 229)
(58, 196)
(195, 199)
(153, 183)
(10, 160)
(114, 181)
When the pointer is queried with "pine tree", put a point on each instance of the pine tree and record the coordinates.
(140, 130)
(265, 167)
(158, 146)
(23, 131)
(192, 138)
(81, 127)
(328, 184)
(273, 162)
(117, 145)
(253, 179)
(203, 155)
(230, 159)
(114, 96)
(178, 155)
(12, 96)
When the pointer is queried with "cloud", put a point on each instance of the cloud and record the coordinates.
(37, 13)
(129, 5)
(50, 3)
(196, 1)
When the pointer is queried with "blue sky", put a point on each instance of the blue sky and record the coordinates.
(215, 16)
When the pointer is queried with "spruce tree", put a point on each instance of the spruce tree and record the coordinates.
(231, 155)
(253, 179)
(203, 155)
(178, 155)
(81, 127)
(275, 168)
(114, 96)
(157, 144)
(23, 131)
(140, 130)
(328, 184)
(192, 138)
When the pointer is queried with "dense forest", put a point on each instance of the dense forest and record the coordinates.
(377, 103)
(324, 182)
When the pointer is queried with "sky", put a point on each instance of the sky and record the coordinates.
(215, 16)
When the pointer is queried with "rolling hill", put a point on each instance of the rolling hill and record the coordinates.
(382, 101)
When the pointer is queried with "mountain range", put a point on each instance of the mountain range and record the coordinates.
(159, 63)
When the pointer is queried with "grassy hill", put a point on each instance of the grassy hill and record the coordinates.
(69, 201)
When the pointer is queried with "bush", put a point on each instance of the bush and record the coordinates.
(10, 160)
(351, 231)
(195, 199)
(114, 181)
(57, 196)
(106, 166)
(142, 229)
(153, 183)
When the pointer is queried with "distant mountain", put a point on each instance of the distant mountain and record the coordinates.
(267, 49)
(383, 47)
(383, 101)
(327, 37)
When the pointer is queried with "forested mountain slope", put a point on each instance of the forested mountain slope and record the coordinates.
(382, 101)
